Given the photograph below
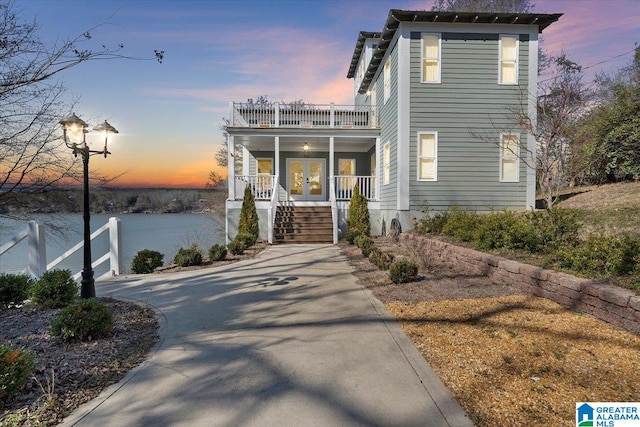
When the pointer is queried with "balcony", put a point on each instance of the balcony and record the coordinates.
(283, 115)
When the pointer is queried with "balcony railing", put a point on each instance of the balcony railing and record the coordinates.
(262, 186)
(344, 185)
(302, 115)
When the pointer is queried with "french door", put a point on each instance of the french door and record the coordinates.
(305, 178)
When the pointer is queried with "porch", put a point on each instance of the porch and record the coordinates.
(301, 155)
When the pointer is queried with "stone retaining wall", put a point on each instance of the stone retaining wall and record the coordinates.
(617, 306)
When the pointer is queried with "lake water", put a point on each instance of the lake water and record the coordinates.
(165, 233)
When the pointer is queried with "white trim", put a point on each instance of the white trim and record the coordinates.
(403, 141)
(439, 58)
(517, 59)
(516, 156)
(532, 111)
(419, 157)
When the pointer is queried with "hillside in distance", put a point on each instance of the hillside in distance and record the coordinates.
(121, 201)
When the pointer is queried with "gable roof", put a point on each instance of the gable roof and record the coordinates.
(396, 16)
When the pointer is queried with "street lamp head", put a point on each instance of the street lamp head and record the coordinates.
(74, 128)
(105, 129)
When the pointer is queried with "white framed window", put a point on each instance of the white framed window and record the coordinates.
(387, 80)
(265, 166)
(508, 72)
(427, 156)
(386, 163)
(347, 167)
(431, 44)
(509, 157)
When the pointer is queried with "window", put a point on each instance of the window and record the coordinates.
(386, 162)
(509, 154)
(427, 153)
(347, 167)
(265, 166)
(387, 80)
(431, 58)
(508, 60)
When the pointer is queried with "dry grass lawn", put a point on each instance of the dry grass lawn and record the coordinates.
(510, 359)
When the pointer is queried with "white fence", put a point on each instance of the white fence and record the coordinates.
(262, 186)
(36, 241)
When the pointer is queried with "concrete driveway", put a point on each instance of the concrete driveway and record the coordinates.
(285, 339)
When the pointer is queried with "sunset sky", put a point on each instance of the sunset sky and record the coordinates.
(219, 51)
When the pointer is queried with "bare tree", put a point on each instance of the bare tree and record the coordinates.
(32, 158)
(492, 6)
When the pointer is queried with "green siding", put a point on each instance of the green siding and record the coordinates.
(468, 101)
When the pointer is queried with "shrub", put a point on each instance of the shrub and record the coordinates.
(146, 261)
(246, 239)
(248, 223)
(380, 259)
(55, 289)
(188, 256)
(14, 289)
(359, 223)
(504, 230)
(555, 228)
(86, 319)
(236, 247)
(15, 367)
(217, 253)
(365, 243)
(461, 224)
(602, 255)
(403, 271)
(431, 224)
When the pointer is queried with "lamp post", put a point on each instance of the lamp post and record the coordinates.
(74, 132)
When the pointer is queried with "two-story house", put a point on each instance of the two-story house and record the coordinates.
(431, 126)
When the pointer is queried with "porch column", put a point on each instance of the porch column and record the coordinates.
(331, 157)
(245, 161)
(379, 172)
(276, 155)
(231, 168)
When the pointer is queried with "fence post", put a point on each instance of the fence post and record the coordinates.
(37, 250)
(115, 246)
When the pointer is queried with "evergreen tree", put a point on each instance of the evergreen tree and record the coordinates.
(359, 224)
(248, 223)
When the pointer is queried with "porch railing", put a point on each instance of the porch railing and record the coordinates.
(272, 210)
(37, 266)
(262, 186)
(344, 185)
(302, 115)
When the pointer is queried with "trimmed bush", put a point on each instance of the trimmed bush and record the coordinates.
(246, 239)
(86, 319)
(248, 223)
(403, 271)
(217, 253)
(14, 289)
(380, 259)
(15, 367)
(188, 256)
(146, 261)
(236, 247)
(358, 221)
(365, 243)
(461, 224)
(55, 289)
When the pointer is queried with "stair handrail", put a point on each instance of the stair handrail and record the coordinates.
(272, 208)
(34, 233)
(334, 208)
